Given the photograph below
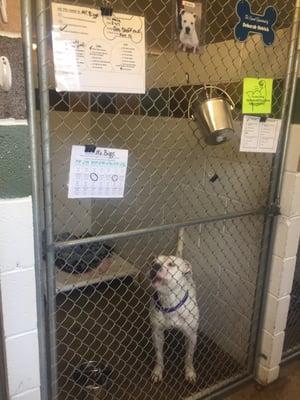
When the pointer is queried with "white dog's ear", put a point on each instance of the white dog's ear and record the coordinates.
(195, 16)
(187, 267)
(182, 11)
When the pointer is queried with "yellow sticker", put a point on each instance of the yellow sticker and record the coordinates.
(257, 96)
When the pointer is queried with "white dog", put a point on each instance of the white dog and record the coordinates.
(188, 36)
(174, 305)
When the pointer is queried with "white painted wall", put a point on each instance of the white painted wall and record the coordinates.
(17, 280)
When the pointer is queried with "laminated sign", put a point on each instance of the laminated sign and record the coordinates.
(95, 53)
(97, 174)
(257, 96)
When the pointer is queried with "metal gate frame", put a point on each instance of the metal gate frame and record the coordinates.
(43, 212)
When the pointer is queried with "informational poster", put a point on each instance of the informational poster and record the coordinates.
(97, 174)
(258, 136)
(257, 96)
(95, 53)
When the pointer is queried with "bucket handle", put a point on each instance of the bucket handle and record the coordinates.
(226, 94)
(205, 87)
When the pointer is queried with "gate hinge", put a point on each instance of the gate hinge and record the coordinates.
(274, 210)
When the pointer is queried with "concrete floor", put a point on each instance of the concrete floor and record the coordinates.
(287, 387)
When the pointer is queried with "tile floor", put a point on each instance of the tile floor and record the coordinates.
(287, 387)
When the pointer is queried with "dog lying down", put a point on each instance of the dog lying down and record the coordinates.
(173, 305)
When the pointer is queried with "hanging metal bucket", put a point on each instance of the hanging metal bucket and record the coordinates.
(213, 114)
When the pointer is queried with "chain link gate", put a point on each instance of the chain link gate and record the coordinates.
(211, 205)
(291, 347)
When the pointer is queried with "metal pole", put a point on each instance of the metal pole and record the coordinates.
(36, 202)
(288, 101)
(161, 228)
(274, 196)
(42, 50)
(290, 355)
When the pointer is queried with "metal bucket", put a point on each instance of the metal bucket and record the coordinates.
(213, 117)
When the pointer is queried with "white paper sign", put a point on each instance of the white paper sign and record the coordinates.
(260, 137)
(98, 174)
(95, 53)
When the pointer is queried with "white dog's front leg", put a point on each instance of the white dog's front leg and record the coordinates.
(158, 340)
(191, 341)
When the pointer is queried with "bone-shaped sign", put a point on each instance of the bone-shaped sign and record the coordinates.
(255, 23)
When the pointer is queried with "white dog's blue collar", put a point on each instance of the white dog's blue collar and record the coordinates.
(169, 309)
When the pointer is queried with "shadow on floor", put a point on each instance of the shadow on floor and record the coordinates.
(287, 387)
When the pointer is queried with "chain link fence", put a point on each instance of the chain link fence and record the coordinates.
(291, 345)
(204, 204)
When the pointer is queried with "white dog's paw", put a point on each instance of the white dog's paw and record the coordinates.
(190, 374)
(157, 374)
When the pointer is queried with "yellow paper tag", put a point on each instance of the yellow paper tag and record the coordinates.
(257, 96)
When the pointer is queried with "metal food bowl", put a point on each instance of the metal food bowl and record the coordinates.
(92, 374)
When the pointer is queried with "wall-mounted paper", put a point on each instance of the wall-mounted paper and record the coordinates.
(260, 137)
(98, 174)
(257, 96)
(95, 53)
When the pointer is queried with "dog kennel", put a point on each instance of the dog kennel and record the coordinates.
(210, 204)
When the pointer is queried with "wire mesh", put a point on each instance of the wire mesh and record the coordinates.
(104, 296)
(292, 333)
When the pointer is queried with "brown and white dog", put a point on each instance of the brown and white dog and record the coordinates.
(174, 305)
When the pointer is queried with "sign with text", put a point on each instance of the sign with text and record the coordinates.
(97, 174)
(95, 53)
(260, 136)
(255, 23)
(257, 96)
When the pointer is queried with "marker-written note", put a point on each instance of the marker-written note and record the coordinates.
(98, 174)
(95, 53)
(260, 137)
(257, 96)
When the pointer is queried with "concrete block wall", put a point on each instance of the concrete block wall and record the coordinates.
(17, 278)
(283, 265)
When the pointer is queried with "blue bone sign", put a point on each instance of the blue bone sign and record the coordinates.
(255, 23)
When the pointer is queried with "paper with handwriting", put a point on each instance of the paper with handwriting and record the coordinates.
(95, 53)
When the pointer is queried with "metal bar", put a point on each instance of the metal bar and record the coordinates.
(289, 100)
(290, 356)
(36, 202)
(276, 179)
(220, 389)
(45, 131)
(146, 231)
